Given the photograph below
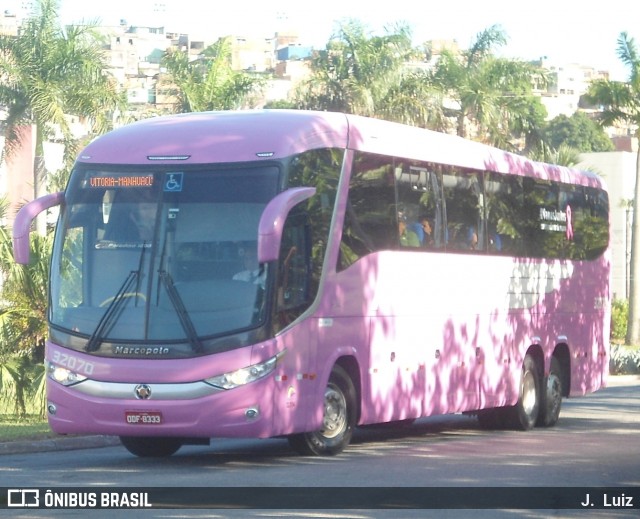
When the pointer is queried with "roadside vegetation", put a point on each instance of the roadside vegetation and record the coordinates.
(49, 72)
(624, 359)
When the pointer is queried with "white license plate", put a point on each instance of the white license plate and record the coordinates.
(143, 417)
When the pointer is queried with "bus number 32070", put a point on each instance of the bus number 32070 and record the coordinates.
(73, 363)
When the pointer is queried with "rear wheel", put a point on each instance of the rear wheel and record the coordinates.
(551, 400)
(525, 412)
(151, 447)
(494, 418)
(339, 418)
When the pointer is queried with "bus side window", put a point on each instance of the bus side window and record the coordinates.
(370, 220)
(464, 202)
(506, 232)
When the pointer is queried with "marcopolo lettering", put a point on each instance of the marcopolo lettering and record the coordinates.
(141, 350)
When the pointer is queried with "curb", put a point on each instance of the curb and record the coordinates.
(623, 380)
(58, 444)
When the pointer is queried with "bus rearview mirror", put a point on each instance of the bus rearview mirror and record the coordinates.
(273, 218)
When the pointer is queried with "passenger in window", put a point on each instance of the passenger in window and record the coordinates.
(472, 238)
(407, 237)
(427, 231)
(495, 242)
(423, 229)
(253, 272)
(143, 219)
(134, 223)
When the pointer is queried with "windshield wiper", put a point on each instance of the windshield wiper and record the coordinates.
(181, 310)
(108, 318)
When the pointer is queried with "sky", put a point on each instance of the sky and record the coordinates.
(564, 31)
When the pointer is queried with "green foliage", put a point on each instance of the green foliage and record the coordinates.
(492, 97)
(50, 72)
(579, 132)
(31, 426)
(619, 104)
(564, 155)
(356, 71)
(281, 104)
(22, 386)
(624, 360)
(23, 324)
(478, 94)
(209, 82)
(619, 316)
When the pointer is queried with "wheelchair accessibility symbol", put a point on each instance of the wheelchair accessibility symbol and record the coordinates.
(173, 182)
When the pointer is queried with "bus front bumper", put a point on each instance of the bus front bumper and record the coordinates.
(194, 410)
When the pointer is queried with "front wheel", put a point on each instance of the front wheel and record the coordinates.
(151, 447)
(338, 421)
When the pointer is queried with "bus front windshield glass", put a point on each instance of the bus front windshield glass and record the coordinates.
(165, 256)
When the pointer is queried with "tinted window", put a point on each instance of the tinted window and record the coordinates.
(395, 203)
(370, 220)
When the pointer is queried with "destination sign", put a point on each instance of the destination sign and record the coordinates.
(121, 181)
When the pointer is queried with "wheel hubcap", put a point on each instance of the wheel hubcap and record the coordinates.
(335, 413)
(529, 397)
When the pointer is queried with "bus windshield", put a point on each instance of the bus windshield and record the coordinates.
(161, 255)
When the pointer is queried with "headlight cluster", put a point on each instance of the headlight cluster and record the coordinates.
(244, 375)
(63, 376)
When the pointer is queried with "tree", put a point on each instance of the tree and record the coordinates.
(490, 98)
(578, 131)
(356, 71)
(48, 73)
(209, 82)
(563, 155)
(620, 104)
(417, 101)
(23, 319)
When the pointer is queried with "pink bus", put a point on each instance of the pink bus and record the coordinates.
(290, 273)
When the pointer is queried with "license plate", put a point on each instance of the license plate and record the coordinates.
(143, 417)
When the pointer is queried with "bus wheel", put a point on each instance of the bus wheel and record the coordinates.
(525, 412)
(338, 419)
(551, 396)
(151, 447)
(494, 418)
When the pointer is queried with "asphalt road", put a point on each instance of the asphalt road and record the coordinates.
(596, 444)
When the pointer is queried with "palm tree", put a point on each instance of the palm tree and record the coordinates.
(355, 72)
(415, 100)
(490, 97)
(620, 103)
(563, 155)
(48, 73)
(23, 318)
(209, 82)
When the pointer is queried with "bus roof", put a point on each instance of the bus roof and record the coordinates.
(207, 137)
(250, 135)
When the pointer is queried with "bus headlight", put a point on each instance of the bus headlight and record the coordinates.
(63, 376)
(243, 376)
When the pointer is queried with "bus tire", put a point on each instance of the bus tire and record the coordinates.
(151, 447)
(551, 396)
(493, 418)
(339, 419)
(525, 412)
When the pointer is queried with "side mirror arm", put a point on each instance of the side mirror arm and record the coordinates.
(22, 224)
(273, 218)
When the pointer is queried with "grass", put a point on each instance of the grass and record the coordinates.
(31, 427)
